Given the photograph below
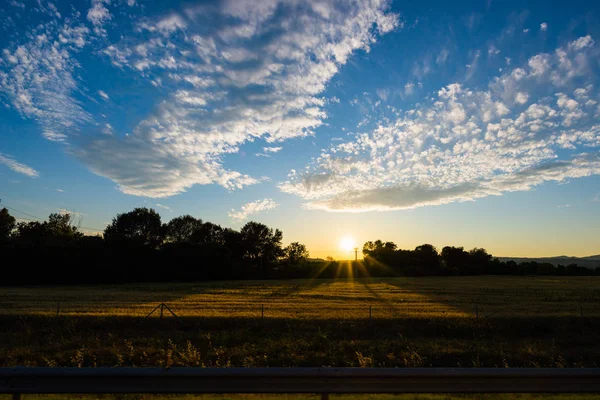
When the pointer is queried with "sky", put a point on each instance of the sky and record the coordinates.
(472, 124)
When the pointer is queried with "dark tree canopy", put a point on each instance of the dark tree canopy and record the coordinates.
(58, 230)
(7, 224)
(140, 226)
(182, 229)
(295, 253)
(208, 233)
(261, 243)
(63, 226)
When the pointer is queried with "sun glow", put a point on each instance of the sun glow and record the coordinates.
(347, 243)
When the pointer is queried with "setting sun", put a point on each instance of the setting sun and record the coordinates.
(347, 243)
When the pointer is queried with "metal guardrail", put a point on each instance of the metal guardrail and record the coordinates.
(17, 381)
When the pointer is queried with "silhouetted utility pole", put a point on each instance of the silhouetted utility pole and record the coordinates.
(356, 254)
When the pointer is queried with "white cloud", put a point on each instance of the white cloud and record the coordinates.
(164, 207)
(272, 149)
(442, 57)
(543, 27)
(409, 88)
(98, 15)
(16, 4)
(37, 77)
(252, 208)
(564, 206)
(223, 103)
(59, 190)
(581, 43)
(492, 51)
(521, 98)
(539, 64)
(16, 166)
(75, 214)
(472, 66)
(165, 25)
(103, 94)
(108, 129)
(467, 144)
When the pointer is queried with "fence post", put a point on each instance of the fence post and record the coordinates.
(324, 396)
(16, 396)
(57, 308)
(262, 311)
(477, 312)
(162, 306)
(370, 313)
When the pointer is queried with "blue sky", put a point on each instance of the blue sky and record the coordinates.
(472, 124)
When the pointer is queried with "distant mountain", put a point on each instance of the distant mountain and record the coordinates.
(587, 262)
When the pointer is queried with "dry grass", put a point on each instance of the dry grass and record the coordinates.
(417, 322)
(436, 297)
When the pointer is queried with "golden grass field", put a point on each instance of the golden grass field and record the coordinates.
(320, 299)
(417, 322)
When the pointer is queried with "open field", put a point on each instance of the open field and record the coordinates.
(389, 298)
(416, 322)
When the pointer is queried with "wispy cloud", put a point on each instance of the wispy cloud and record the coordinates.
(16, 166)
(466, 144)
(103, 94)
(59, 190)
(252, 208)
(37, 77)
(164, 207)
(543, 27)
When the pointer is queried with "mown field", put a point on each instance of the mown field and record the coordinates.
(485, 321)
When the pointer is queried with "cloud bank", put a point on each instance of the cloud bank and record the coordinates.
(533, 124)
(236, 71)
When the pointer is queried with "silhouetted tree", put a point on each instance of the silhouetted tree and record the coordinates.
(208, 233)
(295, 253)
(479, 261)
(427, 260)
(233, 241)
(62, 228)
(140, 226)
(454, 260)
(31, 233)
(7, 225)
(182, 229)
(261, 244)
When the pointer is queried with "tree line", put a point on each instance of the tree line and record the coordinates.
(425, 260)
(138, 247)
